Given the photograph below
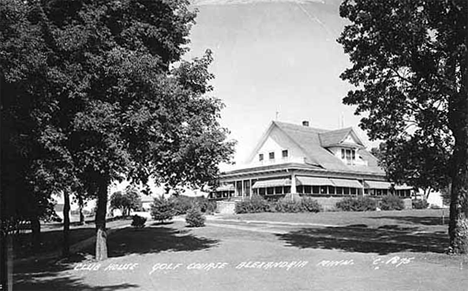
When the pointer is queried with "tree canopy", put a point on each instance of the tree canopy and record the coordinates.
(126, 201)
(96, 91)
(415, 163)
(409, 66)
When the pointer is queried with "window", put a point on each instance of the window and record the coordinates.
(260, 157)
(348, 155)
(279, 190)
(270, 190)
(316, 189)
(285, 153)
(353, 191)
(271, 155)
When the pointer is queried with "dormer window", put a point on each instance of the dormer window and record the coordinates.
(285, 154)
(348, 155)
(271, 155)
(260, 157)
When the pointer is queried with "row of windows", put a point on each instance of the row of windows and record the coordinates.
(384, 192)
(273, 190)
(304, 189)
(326, 190)
(271, 155)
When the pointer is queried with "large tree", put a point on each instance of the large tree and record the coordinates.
(119, 107)
(409, 64)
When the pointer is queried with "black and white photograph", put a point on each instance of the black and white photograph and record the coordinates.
(211, 145)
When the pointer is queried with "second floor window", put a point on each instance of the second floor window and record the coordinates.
(349, 155)
(285, 153)
(271, 155)
(260, 157)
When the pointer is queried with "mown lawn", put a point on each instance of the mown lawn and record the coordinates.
(52, 237)
(172, 256)
(433, 219)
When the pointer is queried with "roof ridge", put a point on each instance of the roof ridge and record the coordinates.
(302, 127)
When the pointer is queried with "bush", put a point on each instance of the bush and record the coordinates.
(162, 209)
(288, 206)
(419, 204)
(391, 202)
(182, 204)
(310, 205)
(255, 204)
(207, 206)
(195, 218)
(138, 221)
(360, 203)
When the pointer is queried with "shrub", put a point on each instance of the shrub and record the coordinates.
(310, 205)
(182, 204)
(420, 204)
(207, 206)
(391, 202)
(288, 205)
(253, 205)
(195, 218)
(360, 203)
(162, 209)
(138, 221)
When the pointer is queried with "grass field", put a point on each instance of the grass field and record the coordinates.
(325, 251)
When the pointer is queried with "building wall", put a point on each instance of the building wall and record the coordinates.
(277, 142)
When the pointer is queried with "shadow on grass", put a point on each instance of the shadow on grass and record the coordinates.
(50, 241)
(154, 240)
(49, 281)
(422, 220)
(50, 275)
(384, 240)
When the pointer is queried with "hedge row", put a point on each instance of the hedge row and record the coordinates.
(258, 204)
(306, 204)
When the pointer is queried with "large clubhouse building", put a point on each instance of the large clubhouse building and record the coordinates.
(297, 159)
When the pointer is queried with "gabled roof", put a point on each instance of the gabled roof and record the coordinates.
(313, 142)
(336, 137)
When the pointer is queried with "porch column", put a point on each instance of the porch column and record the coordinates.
(293, 183)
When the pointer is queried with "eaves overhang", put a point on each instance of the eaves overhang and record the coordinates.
(298, 169)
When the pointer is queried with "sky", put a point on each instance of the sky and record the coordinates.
(274, 60)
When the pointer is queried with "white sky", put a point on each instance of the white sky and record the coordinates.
(274, 56)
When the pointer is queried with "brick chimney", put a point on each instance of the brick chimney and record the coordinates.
(305, 123)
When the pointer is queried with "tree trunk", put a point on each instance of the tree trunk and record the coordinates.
(66, 224)
(458, 225)
(101, 235)
(458, 123)
(81, 206)
(36, 233)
